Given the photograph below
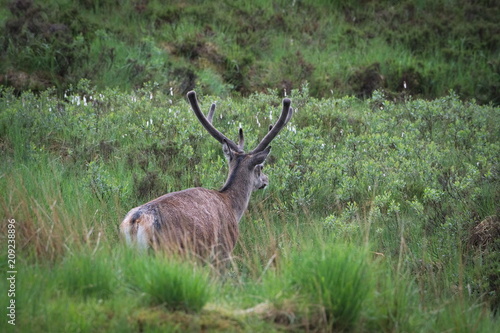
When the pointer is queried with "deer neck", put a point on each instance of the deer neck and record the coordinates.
(238, 190)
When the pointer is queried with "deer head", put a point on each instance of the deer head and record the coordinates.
(202, 220)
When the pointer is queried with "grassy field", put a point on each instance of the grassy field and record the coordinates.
(379, 217)
(239, 47)
(382, 212)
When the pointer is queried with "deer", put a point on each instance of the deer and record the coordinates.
(202, 221)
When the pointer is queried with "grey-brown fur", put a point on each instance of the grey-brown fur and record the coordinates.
(200, 220)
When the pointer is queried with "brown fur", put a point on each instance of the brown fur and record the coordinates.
(184, 220)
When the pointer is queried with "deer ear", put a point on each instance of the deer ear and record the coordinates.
(260, 157)
(227, 151)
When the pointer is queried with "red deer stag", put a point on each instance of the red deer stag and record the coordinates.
(202, 221)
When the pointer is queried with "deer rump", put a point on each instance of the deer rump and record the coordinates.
(196, 220)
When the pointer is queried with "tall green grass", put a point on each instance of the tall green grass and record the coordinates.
(336, 279)
(105, 290)
(169, 282)
(87, 275)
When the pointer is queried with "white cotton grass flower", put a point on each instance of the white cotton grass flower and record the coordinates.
(75, 100)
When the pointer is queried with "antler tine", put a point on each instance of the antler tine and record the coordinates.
(286, 115)
(211, 113)
(241, 143)
(208, 123)
(289, 116)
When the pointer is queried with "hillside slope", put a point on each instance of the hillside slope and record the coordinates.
(340, 48)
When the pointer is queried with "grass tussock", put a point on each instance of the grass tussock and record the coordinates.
(169, 282)
(336, 280)
(87, 275)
